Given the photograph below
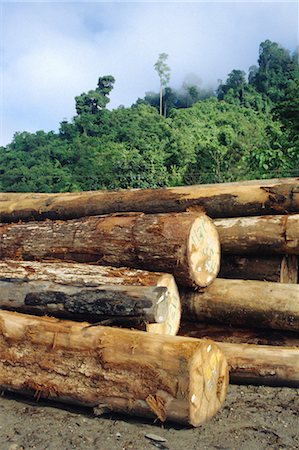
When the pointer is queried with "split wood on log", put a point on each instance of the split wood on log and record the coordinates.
(262, 364)
(275, 268)
(88, 292)
(251, 303)
(169, 377)
(222, 333)
(245, 198)
(259, 235)
(184, 244)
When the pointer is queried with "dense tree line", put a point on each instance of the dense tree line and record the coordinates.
(248, 128)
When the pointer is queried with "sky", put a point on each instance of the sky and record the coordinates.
(52, 51)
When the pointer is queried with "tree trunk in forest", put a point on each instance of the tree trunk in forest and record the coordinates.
(84, 292)
(259, 235)
(262, 364)
(172, 378)
(245, 198)
(275, 268)
(245, 302)
(222, 333)
(184, 244)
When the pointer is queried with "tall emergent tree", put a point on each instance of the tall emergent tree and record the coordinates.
(88, 106)
(164, 74)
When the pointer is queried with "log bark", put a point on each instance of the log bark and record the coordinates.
(185, 245)
(245, 302)
(171, 378)
(233, 335)
(259, 235)
(275, 268)
(76, 291)
(246, 198)
(262, 364)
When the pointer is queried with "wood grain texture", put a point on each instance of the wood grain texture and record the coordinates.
(246, 198)
(66, 285)
(259, 235)
(245, 302)
(167, 377)
(183, 244)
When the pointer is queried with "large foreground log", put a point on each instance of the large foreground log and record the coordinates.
(275, 268)
(259, 235)
(80, 292)
(245, 302)
(172, 378)
(262, 364)
(222, 333)
(126, 297)
(246, 198)
(185, 245)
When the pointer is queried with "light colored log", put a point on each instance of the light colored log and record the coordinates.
(245, 302)
(234, 335)
(275, 268)
(246, 198)
(18, 278)
(173, 378)
(184, 244)
(259, 235)
(262, 364)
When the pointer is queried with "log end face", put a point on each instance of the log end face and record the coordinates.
(203, 251)
(209, 377)
(171, 324)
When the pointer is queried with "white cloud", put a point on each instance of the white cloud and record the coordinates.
(54, 51)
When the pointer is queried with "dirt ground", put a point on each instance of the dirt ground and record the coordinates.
(252, 418)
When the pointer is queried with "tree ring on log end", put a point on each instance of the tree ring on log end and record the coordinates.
(208, 383)
(172, 323)
(203, 251)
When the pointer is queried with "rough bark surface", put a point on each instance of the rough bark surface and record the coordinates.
(247, 198)
(262, 364)
(234, 335)
(245, 302)
(18, 279)
(259, 235)
(184, 244)
(275, 268)
(171, 378)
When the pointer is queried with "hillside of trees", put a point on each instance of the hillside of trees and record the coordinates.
(247, 129)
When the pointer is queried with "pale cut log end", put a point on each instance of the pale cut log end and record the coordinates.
(172, 323)
(209, 377)
(203, 251)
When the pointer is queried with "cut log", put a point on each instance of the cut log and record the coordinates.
(245, 302)
(185, 245)
(168, 377)
(259, 235)
(275, 268)
(246, 198)
(262, 364)
(222, 333)
(86, 292)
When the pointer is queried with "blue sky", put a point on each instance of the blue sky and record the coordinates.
(53, 51)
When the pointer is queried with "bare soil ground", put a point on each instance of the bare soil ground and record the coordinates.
(252, 418)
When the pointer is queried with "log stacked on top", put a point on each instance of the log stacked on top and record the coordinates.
(163, 230)
(129, 297)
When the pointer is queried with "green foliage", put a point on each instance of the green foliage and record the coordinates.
(276, 69)
(249, 131)
(225, 137)
(89, 106)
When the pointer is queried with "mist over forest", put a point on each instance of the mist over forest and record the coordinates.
(247, 128)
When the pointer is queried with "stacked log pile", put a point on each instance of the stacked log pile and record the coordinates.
(114, 258)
